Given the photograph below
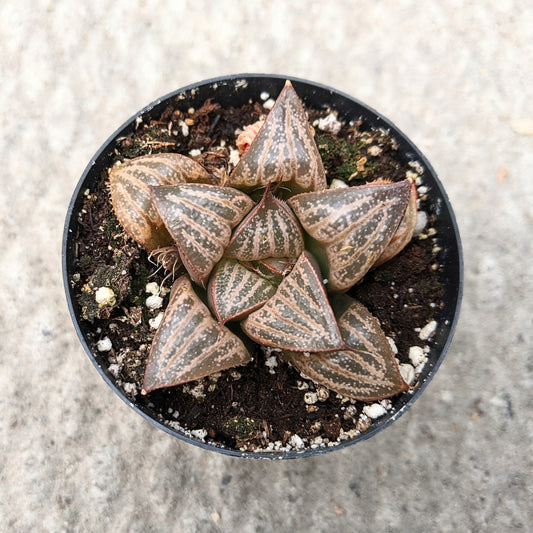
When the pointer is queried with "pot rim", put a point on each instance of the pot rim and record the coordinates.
(457, 276)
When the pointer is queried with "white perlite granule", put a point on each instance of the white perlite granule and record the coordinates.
(152, 288)
(338, 184)
(105, 296)
(417, 355)
(374, 410)
(104, 345)
(408, 373)
(428, 330)
(154, 302)
(374, 150)
(130, 388)
(421, 222)
(296, 442)
(330, 123)
(310, 398)
(199, 433)
(114, 369)
(156, 321)
(271, 362)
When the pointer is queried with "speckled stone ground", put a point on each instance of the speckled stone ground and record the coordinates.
(456, 77)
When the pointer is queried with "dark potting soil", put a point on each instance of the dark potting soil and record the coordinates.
(254, 406)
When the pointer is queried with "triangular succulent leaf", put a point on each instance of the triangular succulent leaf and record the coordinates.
(269, 230)
(189, 343)
(298, 317)
(200, 218)
(366, 371)
(234, 291)
(130, 193)
(353, 225)
(283, 152)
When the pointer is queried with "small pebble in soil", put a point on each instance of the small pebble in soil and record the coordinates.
(322, 393)
(363, 424)
(105, 297)
(152, 288)
(104, 345)
(351, 412)
(428, 330)
(416, 355)
(374, 410)
(154, 302)
(199, 433)
(156, 321)
(330, 123)
(310, 398)
(408, 373)
(302, 385)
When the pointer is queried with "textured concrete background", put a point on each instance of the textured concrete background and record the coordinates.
(456, 76)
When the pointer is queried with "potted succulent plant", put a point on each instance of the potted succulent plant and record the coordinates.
(263, 278)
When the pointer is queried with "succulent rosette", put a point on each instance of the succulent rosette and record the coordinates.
(265, 256)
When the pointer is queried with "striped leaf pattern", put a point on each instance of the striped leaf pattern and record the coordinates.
(298, 317)
(269, 230)
(283, 152)
(353, 225)
(367, 371)
(190, 344)
(234, 291)
(200, 218)
(404, 233)
(130, 193)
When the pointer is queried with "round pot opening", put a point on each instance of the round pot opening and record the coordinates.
(234, 92)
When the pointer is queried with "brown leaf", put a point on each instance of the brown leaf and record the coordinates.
(234, 291)
(130, 193)
(298, 317)
(283, 152)
(190, 344)
(367, 371)
(352, 226)
(269, 230)
(200, 219)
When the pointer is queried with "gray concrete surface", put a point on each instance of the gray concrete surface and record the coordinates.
(456, 76)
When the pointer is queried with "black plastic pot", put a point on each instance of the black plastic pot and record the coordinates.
(235, 91)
